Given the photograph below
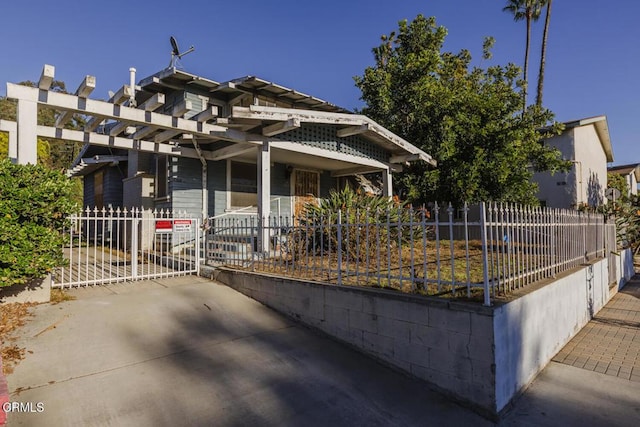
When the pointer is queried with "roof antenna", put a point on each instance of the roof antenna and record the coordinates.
(175, 53)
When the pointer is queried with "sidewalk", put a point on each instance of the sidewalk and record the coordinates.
(595, 379)
(610, 343)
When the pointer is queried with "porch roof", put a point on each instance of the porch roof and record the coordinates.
(173, 78)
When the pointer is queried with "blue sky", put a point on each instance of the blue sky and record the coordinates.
(317, 47)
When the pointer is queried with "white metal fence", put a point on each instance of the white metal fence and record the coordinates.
(479, 251)
(115, 245)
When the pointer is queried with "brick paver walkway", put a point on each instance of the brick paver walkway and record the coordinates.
(610, 343)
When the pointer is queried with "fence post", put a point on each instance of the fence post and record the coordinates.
(485, 249)
(339, 247)
(199, 239)
(134, 244)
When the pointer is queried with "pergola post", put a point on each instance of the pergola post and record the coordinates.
(27, 132)
(13, 146)
(264, 196)
(387, 183)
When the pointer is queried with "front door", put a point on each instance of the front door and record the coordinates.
(306, 189)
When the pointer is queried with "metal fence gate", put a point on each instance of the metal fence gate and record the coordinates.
(107, 245)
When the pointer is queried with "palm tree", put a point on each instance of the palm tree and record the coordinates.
(543, 54)
(528, 10)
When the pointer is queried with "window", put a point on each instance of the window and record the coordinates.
(243, 187)
(162, 177)
(306, 189)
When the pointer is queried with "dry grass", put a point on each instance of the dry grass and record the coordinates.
(448, 269)
(390, 268)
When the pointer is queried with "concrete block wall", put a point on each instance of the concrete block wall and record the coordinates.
(484, 356)
(448, 344)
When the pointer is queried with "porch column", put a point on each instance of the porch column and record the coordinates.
(11, 128)
(387, 183)
(264, 195)
(27, 132)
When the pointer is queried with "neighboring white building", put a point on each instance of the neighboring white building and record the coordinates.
(631, 174)
(587, 144)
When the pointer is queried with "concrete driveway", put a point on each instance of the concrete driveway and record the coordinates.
(187, 351)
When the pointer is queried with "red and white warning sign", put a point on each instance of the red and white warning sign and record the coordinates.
(164, 226)
(182, 225)
(174, 225)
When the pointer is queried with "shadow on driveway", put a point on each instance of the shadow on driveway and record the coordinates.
(199, 353)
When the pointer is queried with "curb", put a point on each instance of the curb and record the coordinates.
(4, 395)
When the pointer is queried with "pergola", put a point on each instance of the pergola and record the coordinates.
(252, 130)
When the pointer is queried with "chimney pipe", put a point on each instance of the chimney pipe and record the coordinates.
(132, 81)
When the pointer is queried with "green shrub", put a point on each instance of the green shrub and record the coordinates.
(34, 205)
(367, 222)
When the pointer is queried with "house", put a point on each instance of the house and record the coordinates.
(273, 149)
(587, 145)
(182, 142)
(631, 174)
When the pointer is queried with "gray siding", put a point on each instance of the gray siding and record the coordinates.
(186, 183)
(88, 191)
(113, 177)
(217, 184)
(186, 186)
(111, 188)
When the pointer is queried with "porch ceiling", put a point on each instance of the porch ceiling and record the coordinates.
(306, 161)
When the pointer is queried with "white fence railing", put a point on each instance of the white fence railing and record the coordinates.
(478, 251)
(115, 245)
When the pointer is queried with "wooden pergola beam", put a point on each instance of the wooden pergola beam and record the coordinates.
(118, 98)
(281, 127)
(119, 142)
(132, 116)
(360, 170)
(47, 76)
(231, 151)
(404, 158)
(352, 130)
(85, 88)
(209, 113)
(152, 103)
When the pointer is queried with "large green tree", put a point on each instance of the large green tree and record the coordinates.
(466, 117)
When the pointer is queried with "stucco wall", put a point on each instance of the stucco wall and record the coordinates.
(586, 181)
(594, 165)
(530, 330)
(559, 190)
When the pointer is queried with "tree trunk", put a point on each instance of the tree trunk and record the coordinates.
(526, 60)
(543, 55)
